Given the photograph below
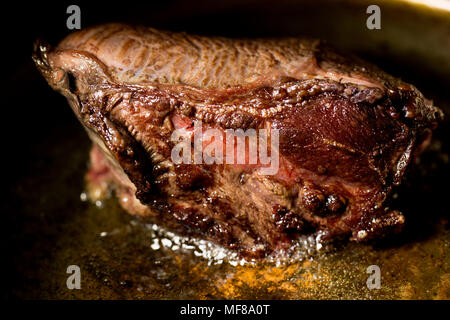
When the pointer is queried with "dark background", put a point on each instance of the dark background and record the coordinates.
(34, 116)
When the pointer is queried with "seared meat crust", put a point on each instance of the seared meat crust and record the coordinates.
(347, 131)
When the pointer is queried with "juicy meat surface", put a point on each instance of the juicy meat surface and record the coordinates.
(347, 132)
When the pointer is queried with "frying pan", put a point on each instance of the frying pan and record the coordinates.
(48, 227)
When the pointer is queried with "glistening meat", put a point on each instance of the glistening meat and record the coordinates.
(347, 132)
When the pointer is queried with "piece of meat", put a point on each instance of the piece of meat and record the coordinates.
(347, 132)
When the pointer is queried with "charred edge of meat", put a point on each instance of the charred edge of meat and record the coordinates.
(129, 153)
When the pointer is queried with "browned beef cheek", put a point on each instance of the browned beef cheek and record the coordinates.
(347, 132)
